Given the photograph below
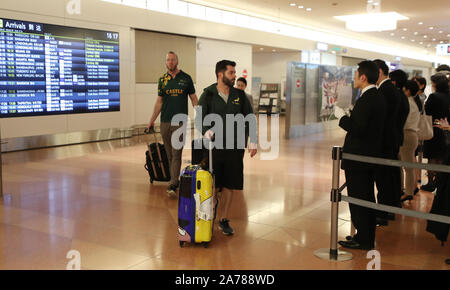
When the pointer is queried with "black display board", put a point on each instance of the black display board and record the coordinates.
(49, 69)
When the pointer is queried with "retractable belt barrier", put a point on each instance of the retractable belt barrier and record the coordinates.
(333, 254)
(396, 163)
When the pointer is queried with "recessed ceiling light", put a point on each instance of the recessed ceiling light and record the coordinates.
(434, 39)
(442, 42)
(420, 23)
(441, 31)
(292, 4)
(412, 40)
(301, 6)
(431, 27)
(371, 21)
(261, 48)
(392, 34)
(415, 33)
(308, 9)
(403, 37)
(425, 36)
(421, 42)
(405, 29)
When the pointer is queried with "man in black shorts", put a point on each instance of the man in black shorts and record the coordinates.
(227, 102)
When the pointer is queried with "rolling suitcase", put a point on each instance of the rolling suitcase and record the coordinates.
(157, 163)
(196, 205)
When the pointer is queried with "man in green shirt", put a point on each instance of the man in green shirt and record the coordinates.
(221, 102)
(174, 87)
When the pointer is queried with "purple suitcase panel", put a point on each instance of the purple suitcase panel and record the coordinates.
(186, 205)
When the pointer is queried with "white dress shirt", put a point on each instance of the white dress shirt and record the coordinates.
(367, 88)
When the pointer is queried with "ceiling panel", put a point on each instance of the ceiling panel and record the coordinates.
(433, 14)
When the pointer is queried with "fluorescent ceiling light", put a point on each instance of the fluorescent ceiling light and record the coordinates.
(372, 21)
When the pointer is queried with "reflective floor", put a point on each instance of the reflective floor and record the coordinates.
(97, 199)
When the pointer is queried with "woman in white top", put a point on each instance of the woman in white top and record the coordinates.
(408, 149)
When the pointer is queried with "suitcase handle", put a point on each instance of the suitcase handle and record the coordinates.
(210, 157)
(153, 132)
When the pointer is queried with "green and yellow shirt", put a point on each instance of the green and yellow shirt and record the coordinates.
(174, 92)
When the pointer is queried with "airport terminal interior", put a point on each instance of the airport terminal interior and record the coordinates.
(78, 86)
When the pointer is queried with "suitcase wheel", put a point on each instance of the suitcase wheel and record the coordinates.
(181, 244)
(206, 244)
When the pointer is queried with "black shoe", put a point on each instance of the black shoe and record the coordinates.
(224, 225)
(408, 197)
(416, 191)
(381, 221)
(428, 187)
(354, 245)
(390, 216)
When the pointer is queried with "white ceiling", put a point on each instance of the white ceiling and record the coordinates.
(432, 13)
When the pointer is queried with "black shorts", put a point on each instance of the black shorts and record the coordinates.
(228, 168)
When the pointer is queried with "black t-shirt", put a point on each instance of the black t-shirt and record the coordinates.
(175, 92)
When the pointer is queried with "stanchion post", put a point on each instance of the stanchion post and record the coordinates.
(335, 199)
(333, 254)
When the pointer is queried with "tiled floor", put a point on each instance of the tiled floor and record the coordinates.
(96, 198)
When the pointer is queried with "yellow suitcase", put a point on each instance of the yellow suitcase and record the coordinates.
(204, 205)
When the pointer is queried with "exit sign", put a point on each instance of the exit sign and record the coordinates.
(443, 49)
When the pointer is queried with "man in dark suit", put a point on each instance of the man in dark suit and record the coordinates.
(388, 179)
(364, 137)
(399, 79)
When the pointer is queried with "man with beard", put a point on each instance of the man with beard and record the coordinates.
(173, 89)
(221, 102)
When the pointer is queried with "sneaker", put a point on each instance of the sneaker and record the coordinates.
(225, 227)
(172, 191)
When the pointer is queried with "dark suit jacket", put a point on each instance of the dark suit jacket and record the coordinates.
(364, 129)
(437, 105)
(397, 111)
(402, 116)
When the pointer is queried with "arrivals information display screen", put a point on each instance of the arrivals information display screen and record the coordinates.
(49, 69)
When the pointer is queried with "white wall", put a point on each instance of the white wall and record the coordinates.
(212, 51)
(137, 101)
(271, 67)
(328, 59)
(209, 52)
